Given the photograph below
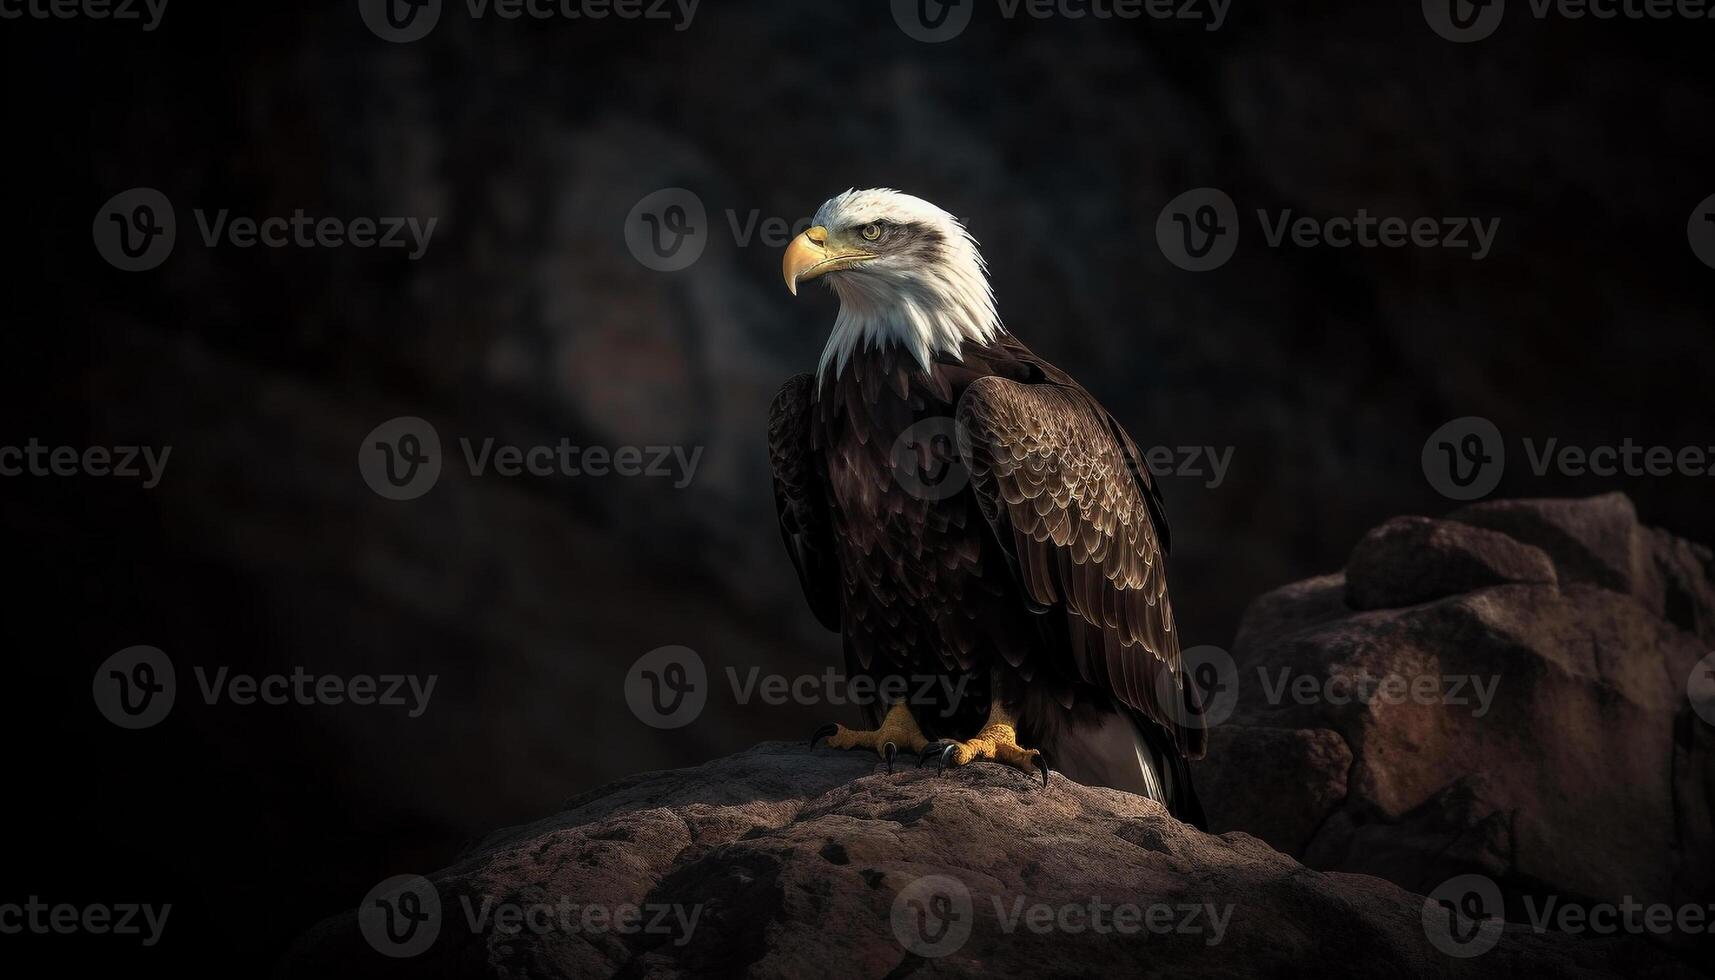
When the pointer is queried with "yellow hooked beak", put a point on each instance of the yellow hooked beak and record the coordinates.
(809, 257)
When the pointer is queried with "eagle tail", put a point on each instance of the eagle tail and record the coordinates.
(1172, 770)
(1131, 753)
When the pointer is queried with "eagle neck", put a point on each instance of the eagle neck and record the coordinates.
(924, 318)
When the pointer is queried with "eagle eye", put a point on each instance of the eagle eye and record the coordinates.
(871, 232)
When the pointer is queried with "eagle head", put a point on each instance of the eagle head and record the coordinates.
(906, 273)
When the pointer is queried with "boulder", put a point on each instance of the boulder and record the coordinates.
(783, 862)
(1510, 686)
(1410, 560)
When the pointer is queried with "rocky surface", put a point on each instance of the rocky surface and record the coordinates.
(790, 863)
(1538, 730)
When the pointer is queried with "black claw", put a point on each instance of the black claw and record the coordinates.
(943, 749)
(1042, 764)
(931, 750)
(890, 751)
(821, 733)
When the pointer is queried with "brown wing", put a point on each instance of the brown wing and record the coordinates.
(1063, 488)
(801, 500)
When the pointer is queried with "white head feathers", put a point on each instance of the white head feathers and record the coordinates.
(925, 287)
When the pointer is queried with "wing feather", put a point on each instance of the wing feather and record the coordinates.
(1063, 485)
(801, 500)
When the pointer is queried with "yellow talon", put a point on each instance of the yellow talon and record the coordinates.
(898, 729)
(997, 742)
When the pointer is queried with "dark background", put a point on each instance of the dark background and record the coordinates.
(528, 320)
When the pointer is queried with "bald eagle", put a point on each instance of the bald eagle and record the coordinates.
(980, 531)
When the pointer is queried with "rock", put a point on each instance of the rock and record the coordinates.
(1410, 560)
(791, 863)
(1530, 724)
(1595, 540)
(1283, 782)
